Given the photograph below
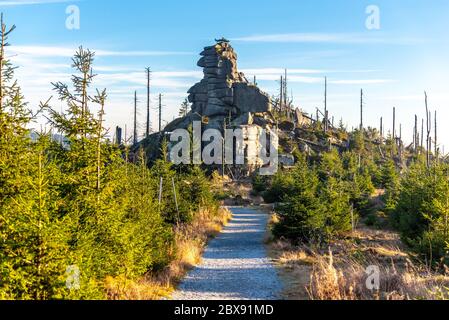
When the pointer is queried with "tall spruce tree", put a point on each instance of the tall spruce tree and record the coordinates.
(90, 168)
(32, 238)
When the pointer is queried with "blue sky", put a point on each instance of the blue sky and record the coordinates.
(311, 38)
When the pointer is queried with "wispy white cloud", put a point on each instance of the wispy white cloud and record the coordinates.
(268, 71)
(317, 80)
(362, 82)
(291, 78)
(10, 3)
(138, 78)
(178, 74)
(140, 53)
(410, 97)
(280, 71)
(336, 38)
(310, 76)
(55, 51)
(37, 71)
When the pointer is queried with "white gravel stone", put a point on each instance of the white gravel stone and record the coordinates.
(235, 265)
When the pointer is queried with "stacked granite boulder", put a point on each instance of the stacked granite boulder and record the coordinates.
(224, 92)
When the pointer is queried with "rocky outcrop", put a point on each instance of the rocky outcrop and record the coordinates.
(249, 98)
(224, 92)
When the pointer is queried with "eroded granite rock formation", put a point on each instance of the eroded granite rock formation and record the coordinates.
(224, 93)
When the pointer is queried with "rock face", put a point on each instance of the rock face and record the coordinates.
(224, 97)
(224, 91)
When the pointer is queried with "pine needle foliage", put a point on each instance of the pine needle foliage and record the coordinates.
(72, 206)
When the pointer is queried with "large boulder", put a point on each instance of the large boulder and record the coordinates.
(209, 51)
(214, 110)
(223, 85)
(223, 96)
(221, 93)
(243, 120)
(200, 87)
(249, 98)
(224, 92)
(209, 61)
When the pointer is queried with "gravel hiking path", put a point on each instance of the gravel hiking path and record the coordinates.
(235, 265)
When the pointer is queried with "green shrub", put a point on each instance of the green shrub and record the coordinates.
(197, 190)
(281, 186)
(260, 183)
(313, 210)
(78, 207)
(421, 213)
(300, 216)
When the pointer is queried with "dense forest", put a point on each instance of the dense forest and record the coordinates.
(326, 194)
(80, 208)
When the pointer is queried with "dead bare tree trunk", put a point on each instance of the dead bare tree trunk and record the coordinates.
(285, 89)
(2, 58)
(118, 136)
(99, 136)
(436, 138)
(422, 135)
(428, 131)
(381, 128)
(325, 104)
(414, 138)
(415, 135)
(281, 98)
(394, 123)
(135, 118)
(430, 137)
(160, 113)
(147, 133)
(400, 144)
(361, 110)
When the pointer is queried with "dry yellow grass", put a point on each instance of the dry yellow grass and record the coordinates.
(295, 266)
(274, 219)
(145, 289)
(190, 241)
(340, 273)
(346, 280)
